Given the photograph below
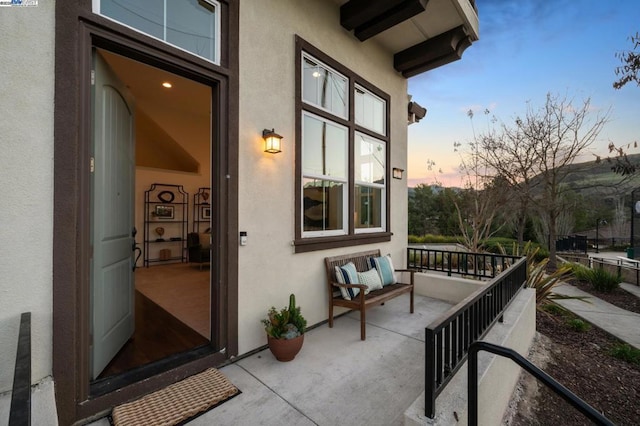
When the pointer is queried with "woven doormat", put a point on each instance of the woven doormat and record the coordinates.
(177, 403)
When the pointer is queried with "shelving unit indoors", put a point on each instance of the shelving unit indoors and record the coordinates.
(166, 215)
(202, 210)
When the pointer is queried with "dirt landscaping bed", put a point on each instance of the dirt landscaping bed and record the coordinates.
(582, 362)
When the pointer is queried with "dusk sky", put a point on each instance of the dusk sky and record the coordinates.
(527, 48)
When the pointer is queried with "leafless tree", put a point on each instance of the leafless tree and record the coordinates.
(559, 132)
(484, 195)
(507, 152)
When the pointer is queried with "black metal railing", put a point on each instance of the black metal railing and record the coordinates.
(20, 411)
(476, 265)
(566, 394)
(449, 337)
(572, 243)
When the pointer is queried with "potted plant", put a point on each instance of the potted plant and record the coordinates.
(285, 330)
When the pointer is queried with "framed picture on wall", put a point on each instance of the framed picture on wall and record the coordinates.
(164, 212)
(206, 212)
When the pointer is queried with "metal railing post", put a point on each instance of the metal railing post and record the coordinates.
(472, 385)
(20, 411)
(429, 374)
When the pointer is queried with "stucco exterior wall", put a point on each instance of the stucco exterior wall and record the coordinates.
(268, 268)
(26, 161)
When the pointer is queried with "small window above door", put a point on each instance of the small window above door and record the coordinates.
(192, 25)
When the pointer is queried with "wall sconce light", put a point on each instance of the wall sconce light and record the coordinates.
(397, 173)
(272, 141)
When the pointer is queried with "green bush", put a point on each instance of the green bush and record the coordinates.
(500, 245)
(553, 308)
(581, 272)
(433, 239)
(579, 325)
(603, 280)
(626, 353)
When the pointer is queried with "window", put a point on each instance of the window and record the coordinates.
(370, 111)
(343, 155)
(325, 171)
(192, 25)
(324, 87)
(370, 181)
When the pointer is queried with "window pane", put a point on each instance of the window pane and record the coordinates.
(324, 148)
(324, 88)
(323, 205)
(370, 159)
(191, 25)
(368, 203)
(370, 111)
(144, 15)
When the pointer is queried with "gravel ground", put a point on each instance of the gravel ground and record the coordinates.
(579, 360)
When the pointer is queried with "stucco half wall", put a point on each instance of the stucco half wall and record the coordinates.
(497, 376)
(268, 269)
(26, 162)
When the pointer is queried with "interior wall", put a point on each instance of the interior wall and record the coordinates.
(26, 170)
(268, 268)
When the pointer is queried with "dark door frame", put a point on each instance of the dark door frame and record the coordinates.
(78, 30)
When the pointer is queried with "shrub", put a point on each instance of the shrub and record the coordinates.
(433, 239)
(579, 325)
(538, 278)
(603, 280)
(553, 308)
(581, 272)
(626, 353)
(501, 245)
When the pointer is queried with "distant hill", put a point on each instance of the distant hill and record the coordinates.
(590, 179)
(598, 179)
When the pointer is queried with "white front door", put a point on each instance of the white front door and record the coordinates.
(112, 204)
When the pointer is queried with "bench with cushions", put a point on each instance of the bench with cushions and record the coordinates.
(361, 280)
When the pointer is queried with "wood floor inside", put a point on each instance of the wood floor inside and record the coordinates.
(172, 316)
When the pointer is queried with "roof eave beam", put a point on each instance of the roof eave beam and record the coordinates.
(371, 17)
(433, 53)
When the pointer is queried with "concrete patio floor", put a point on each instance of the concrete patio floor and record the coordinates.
(336, 378)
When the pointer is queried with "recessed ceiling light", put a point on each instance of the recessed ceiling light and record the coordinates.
(167, 85)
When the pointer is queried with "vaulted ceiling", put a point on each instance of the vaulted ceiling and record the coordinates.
(422, 34)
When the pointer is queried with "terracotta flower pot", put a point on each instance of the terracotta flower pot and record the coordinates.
(285, 350)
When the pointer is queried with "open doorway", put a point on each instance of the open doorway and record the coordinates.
(152, 129)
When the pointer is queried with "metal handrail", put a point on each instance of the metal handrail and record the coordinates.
(20, 411)
(448, 338)
(550, 382)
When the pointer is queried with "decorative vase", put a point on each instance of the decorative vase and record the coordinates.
(285, 349)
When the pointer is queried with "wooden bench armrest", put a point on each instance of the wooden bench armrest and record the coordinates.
(412, 270)
(360, 286)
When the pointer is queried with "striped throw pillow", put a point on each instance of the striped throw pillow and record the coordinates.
(384, 266)
(347, 274)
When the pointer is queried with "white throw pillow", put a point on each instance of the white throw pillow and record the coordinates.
(371, 279)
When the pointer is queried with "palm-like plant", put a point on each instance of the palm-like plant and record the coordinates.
(538, 277)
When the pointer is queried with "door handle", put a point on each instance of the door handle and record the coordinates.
(135, 248)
